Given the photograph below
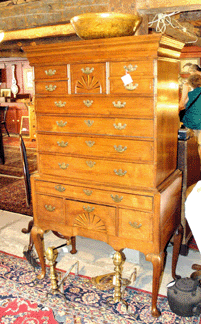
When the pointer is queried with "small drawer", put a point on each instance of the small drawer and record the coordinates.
(138, 86)
(97, 170)
(91, 105)
(143, 128)
(134, 68)
(90, 218)
(50, 72)
(93, 195)
(51, 88)
(50, 209)
(119, 149)
(88, 78)
(135, 225)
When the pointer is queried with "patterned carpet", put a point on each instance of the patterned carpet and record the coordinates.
(13, 163)
(12, 190)
(24, 299)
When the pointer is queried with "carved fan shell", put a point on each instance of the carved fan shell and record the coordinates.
(90, 221)
(88, 83)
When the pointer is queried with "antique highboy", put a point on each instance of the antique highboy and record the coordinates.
(107, 148)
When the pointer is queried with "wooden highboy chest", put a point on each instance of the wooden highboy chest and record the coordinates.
(107, 145)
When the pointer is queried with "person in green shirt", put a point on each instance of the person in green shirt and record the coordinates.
(192, 117)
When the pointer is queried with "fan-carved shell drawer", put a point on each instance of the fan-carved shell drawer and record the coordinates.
(98, 170)
(93, 195)
(91, 105)
(120, 149)
(91, 218)
(96, 126)
(50, 72)
(135, 225)
(88, 78)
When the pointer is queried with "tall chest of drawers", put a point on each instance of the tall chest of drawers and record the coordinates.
(107, 123)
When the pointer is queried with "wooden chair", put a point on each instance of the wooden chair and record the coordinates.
(4, 110)
(28, 200)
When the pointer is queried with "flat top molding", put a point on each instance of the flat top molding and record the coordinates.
(104, 49)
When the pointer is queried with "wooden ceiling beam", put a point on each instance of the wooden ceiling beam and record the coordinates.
(39, 32)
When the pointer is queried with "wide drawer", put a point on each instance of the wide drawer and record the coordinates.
(88, 78)
(91, 105)
(135, 225)
(121, 149)
(142, 68)
(96, 126)
(97, 170)
(90, 194)
(90, 217)
(50, 72)
(138, 86)
(51, 88)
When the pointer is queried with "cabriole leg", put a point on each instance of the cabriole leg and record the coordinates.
(37, 236)
(158, 262)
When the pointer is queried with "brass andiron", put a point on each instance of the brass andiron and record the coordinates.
(51, 255)
(117, 260)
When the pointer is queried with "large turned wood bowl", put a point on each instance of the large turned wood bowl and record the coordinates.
(104, 25)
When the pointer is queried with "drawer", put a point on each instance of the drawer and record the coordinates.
(135, 225)
(88, 78)
(120, 149)
(50, 72)
(91, 105)
(94, 195)
(97, 170)
(138, 86)
(90, 217)
(96, 126)
(142, 68)
(51, 88)
(50, 209)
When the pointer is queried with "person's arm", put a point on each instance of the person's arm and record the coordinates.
(184, 96)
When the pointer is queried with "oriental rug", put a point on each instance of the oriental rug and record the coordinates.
(25, 300)
(13, 162)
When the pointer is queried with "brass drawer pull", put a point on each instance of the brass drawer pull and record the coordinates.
(88, 209)
(87, 192)
(119, 104)
(90, 143)
(89, 123)
(61, 123)
(130, 68)
(135, 225)
(50, 72)
(49, 208)
(116, 198)
(131, 86)
(63, 165)
(87, 70)
(90, 164)
(88, 102)
(62, 144)
(50, 88)
(120, 148)
(60, 188)
(60, 104)
(120, 172)
(119, 126)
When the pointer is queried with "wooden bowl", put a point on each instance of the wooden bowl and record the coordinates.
(105, 24)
